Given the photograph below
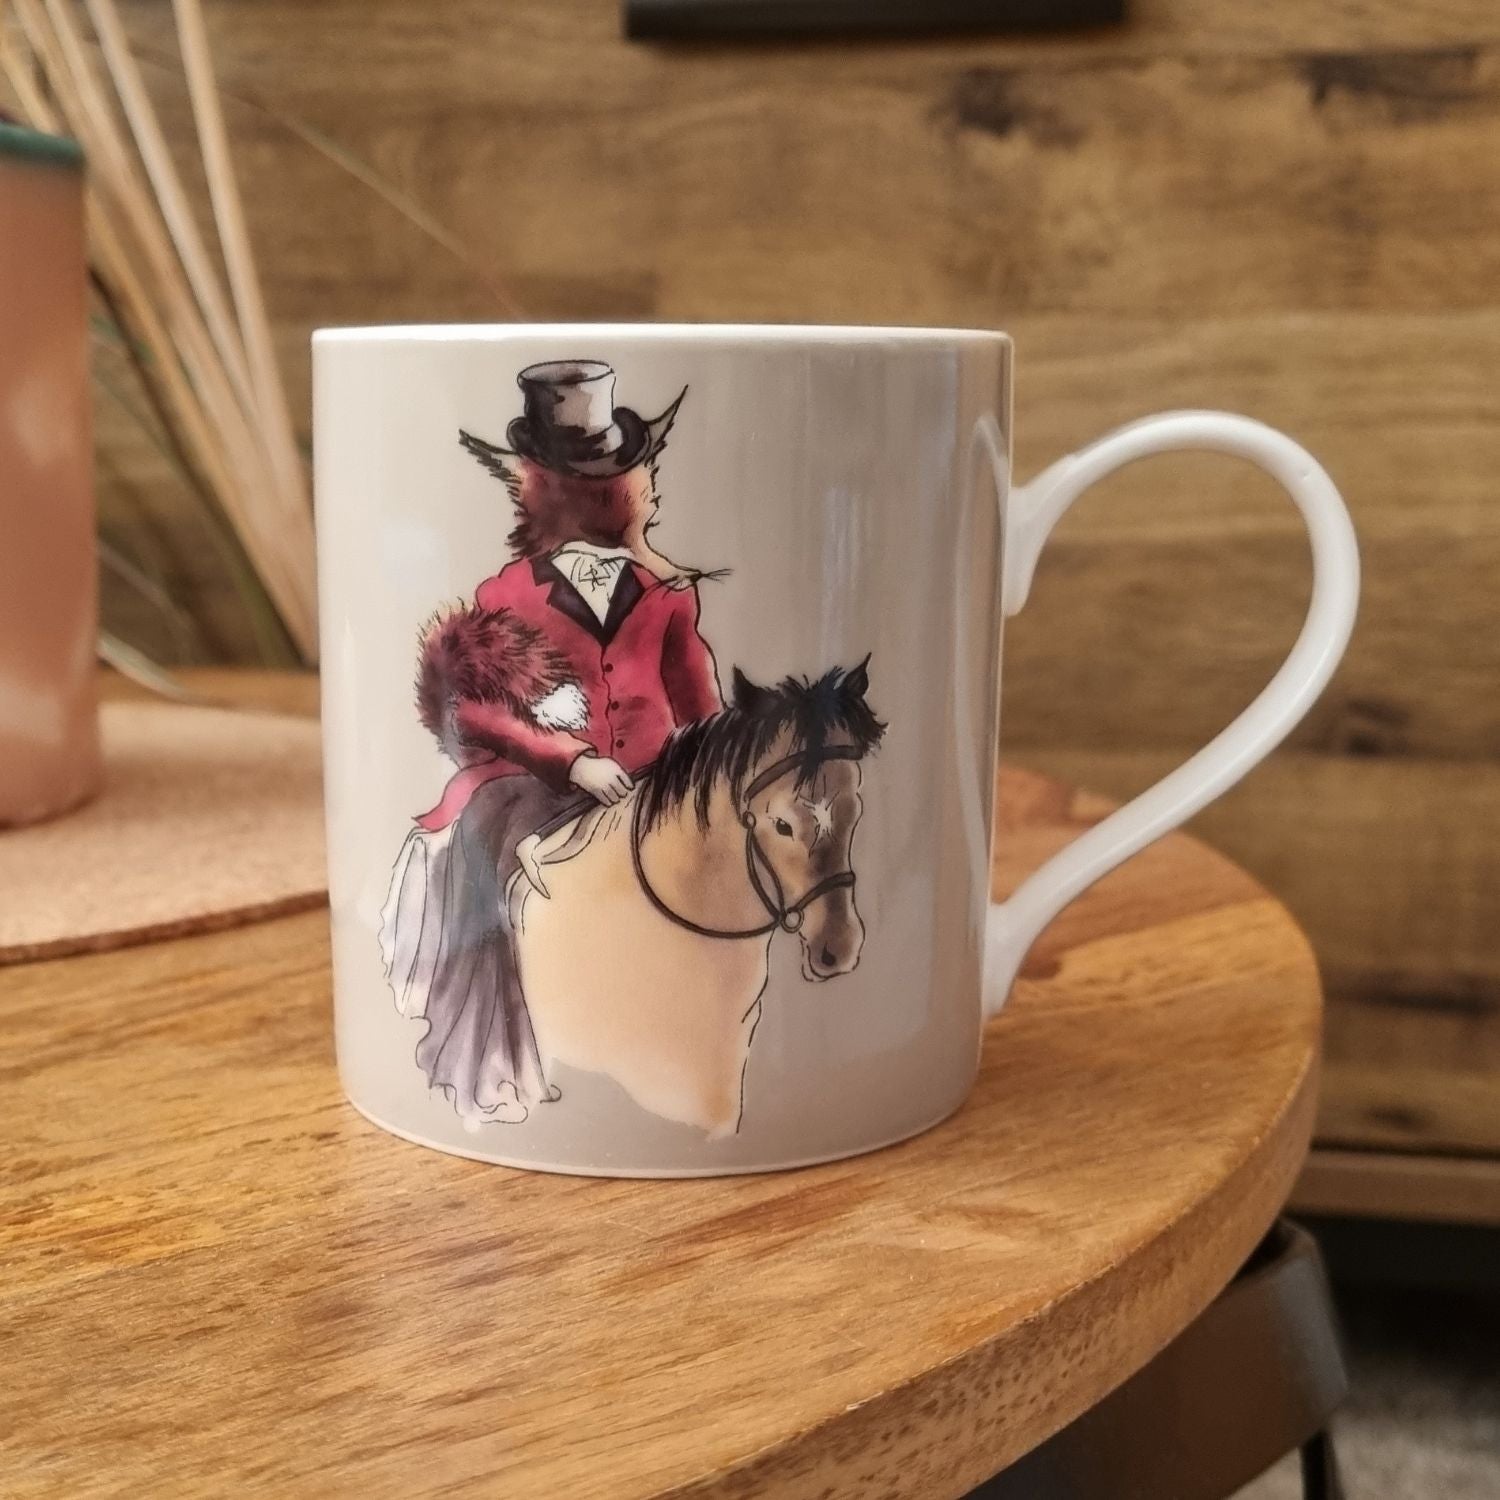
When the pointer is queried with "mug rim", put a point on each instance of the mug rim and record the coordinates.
(788, 333)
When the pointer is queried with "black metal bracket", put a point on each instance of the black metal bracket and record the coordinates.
(684, 20)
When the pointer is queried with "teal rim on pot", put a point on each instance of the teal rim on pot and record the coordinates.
(23, 142)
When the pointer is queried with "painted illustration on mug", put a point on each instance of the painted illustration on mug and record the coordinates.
(600, 882)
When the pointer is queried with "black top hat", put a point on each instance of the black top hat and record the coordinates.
(572, 425)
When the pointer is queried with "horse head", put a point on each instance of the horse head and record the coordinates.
(800, 805)
(772, 783)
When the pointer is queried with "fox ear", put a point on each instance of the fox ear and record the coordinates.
(501, 462)
(748, 698)
(856, 681)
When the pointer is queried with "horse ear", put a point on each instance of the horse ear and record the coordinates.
(748, 698)
(856, 681)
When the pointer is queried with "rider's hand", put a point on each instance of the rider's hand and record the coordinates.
(605, 780)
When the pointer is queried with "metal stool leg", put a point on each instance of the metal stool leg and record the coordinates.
(1320, 1469)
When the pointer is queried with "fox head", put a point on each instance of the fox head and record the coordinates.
(552, 508)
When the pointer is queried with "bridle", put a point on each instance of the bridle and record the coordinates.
(783, 914)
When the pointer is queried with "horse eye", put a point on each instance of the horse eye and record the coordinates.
(783, 828)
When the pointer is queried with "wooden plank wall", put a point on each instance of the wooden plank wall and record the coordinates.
(1287, 209)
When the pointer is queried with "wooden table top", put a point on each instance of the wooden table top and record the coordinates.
(220, 1280)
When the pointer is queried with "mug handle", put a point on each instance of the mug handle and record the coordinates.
(1031, 513)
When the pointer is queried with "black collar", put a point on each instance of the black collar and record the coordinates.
(564, 597)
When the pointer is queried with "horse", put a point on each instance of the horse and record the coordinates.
(643, 930)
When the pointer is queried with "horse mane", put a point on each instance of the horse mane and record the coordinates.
(729, 745)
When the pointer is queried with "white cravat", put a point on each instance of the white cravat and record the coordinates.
(593, 571)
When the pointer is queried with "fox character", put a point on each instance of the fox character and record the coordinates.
(587, 641)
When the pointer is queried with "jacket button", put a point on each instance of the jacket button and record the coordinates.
(614, 703)
(619, 744)
(609, 666)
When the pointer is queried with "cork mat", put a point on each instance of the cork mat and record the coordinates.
(209, 817)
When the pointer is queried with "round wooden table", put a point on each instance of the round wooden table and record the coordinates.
(220, 1280)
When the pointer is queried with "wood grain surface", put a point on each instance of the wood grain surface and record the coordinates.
(1392, 1185)
(1285, 209)
(1394, 862)
(221, 1280)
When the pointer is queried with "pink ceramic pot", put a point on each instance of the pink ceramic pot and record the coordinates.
(49, 735)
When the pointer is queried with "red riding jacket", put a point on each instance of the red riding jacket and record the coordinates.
(643, 671)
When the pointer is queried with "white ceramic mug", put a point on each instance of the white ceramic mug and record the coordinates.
(661, 678)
